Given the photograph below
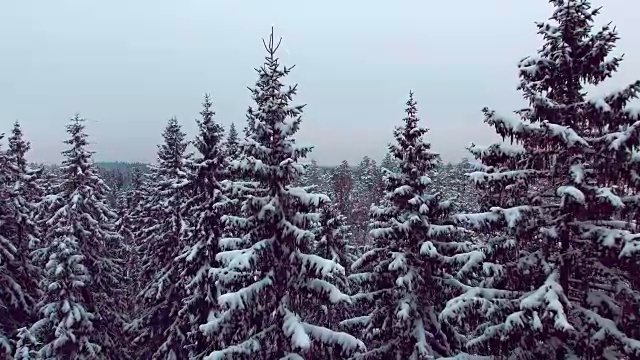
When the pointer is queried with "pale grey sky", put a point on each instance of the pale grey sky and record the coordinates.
(128, 66)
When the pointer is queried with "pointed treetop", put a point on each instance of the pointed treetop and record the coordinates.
(410, 147)
(171, 151)
(206, 112)
(210, 133)
(137, 178)
(232, 142)
(18, 147)
(77, 157)
(76, 128)
(273, 119)
(412, 109)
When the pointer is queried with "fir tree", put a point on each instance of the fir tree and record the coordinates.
(12, 296)
(205, 208)
(366, 193)
(158, 333)
(334, 237)
(334, 242)
(19, 276)
(389, 163)
(415, 254)
(556, 198)
(80, 317)
(313, 175)
(342, 183)
(232, 147)
(271, 277)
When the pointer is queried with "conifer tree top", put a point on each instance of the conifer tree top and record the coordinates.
(233, 133)
(18, 147)
(273, 121)
(171, 151)
(211, 133)
(77, 159)
(410, 150)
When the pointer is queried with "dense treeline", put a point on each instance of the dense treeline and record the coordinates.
(237, 251)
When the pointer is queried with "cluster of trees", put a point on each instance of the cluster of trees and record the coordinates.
(231, 252)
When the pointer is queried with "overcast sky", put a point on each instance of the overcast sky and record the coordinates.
(128, 66)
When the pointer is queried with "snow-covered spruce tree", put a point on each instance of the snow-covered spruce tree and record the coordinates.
(366, 192)
(317, 177)
(389, 163)
(80, 316)
(326, 182)
(271, 277)
(342, 184)
(205, 207)
(127, 226)
(124, 224)
(313, 175)
(231, 145)
(566, 291)
(157, 332)
(134, 202)
(19, 276)
(408, 274)
(334, 241)
(12, 296)
(48, 181)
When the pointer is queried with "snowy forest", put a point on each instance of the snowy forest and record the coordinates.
(246, 248)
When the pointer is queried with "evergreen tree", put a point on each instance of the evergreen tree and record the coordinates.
(366, 193)
(334, 242)
(415, 254)
(19, 276)
(334, 237)
(205, 208)
(342, 183)
(563, 251)
(271, 276)
(80, 317)
(313, 177)
(158, 333)
(389, 163)
(317, 178)
(12, 296)
(132, 203)
(232, 147)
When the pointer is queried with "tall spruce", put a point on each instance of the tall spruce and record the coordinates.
(12, 295)
(205, 208)
(272, 278)
(158, 333)
(20, 234)
(80, 317)
(129, 225)
(409, 273)
(231, 145)
(566, 257)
